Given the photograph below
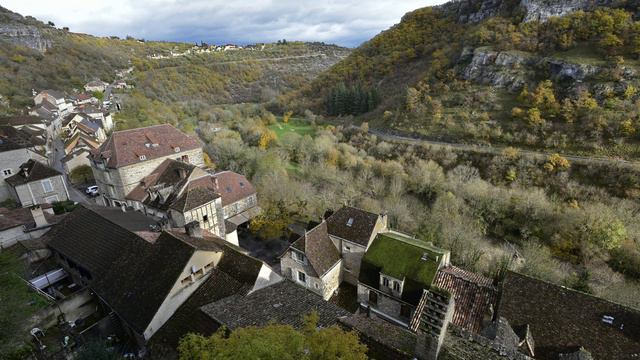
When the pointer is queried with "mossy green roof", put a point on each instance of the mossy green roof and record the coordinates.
(400, 256)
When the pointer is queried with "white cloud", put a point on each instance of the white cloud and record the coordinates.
(347, 22)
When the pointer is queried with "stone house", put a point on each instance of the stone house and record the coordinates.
(36, 183)
(95, 85)
(394, 273)
(78, 157)
(128, 156)
(16, 148)
(313, 262)
(239, 197)
(180, 193)
(53, 101)
(144, 277)
(352, 230)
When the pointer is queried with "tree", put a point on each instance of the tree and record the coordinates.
(556, 162)
(266, 139)
(287, 116)
(275, 342)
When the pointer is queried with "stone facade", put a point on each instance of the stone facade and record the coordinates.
(36, 192)
(385, 306)
(325, 285)
(240, 206)
(208, 215)
(115, 184)
(11, 161)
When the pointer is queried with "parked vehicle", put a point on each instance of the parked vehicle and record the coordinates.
(92, 190)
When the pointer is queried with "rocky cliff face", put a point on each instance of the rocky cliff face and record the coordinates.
(473, 11)
(19, 30)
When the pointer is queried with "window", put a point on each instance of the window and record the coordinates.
(186, 280)
(302, 277)
(7, 172)
(297, 256)
(185, 158)
(373, 298)
(143, 157)
(241, 184)
(47, 185)
(385, 281)
(177, 149)
(51, 199)
(405, 311)
(347, 248)
(317, 286)
(208, 266)
(205, 218)
(350, 222)
(396, 286)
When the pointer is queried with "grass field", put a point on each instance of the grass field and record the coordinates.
(17, 302)
(297, 126)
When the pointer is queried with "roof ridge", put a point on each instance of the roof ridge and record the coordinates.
(574, 291)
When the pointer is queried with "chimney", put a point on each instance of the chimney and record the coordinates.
(38, 216)
(215, 183)
(182, 172)
(434, 320)
(193, 229)
(25, 172)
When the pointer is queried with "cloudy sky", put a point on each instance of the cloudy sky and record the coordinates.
(345, 22)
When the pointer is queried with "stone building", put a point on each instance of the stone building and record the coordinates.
(36, 183)
(394, 273)
(238, 196)
(128, 156)
(352, 230)
(313, 262)
(15, 149)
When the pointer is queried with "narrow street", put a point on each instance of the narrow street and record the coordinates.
(57, 153)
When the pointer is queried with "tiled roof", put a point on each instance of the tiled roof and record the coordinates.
(402, 257)
(55, 93)
(239, 265)
(562, 319)
(474, 295)
(90, 240)
(126, 147)
(233, 187)
(193, 198)
(140, 279)
(13, 139)
(20, 120)
(318, 248)
(381, 336)
(190, 319)
(34, 171)
(281, 303)
(352, 224)
(10, 218)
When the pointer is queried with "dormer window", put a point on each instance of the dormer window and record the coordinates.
(143, 157)
(396, 286)
(176, 149)
(385, 281)
(350, 222)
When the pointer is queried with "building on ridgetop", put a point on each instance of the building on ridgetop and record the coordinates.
(395, 271)
(36, 183)
(121, 162)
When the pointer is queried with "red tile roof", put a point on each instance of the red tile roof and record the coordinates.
(233, 187)
(474, 294)
(126, 147)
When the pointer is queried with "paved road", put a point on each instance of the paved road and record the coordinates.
(56, 162)
(495, 149)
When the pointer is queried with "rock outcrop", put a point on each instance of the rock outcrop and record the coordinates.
(507, 69)
(473, 11)
(18, 30)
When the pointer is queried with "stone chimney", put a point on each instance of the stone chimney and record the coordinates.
(38, 216)
(182, 172)
(216, 184)
(193, 229)
(434, 320)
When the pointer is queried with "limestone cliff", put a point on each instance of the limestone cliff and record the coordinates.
(24, 31)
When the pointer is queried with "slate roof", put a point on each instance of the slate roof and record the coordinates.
(400, 256)
(562, 319)
(474, 295)
(362, 225)
(90, 240)
(125, 147)
(233, 187)
(193, 198)
(35, 171)
(20, 120)
(190, 319)
(13, 139)
(166, 174)
(318, 248)
(239, 265)
(281, 303)
(10, 218)
(381, 336)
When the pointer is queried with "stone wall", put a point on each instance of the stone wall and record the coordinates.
(387, 307)
(34, 192)
(290, 268)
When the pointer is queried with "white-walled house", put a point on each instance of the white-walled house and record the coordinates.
(15, 149)
(36, 183)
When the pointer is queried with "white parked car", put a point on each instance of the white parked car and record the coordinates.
(92, 190)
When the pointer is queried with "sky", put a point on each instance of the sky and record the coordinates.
(345, 22)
